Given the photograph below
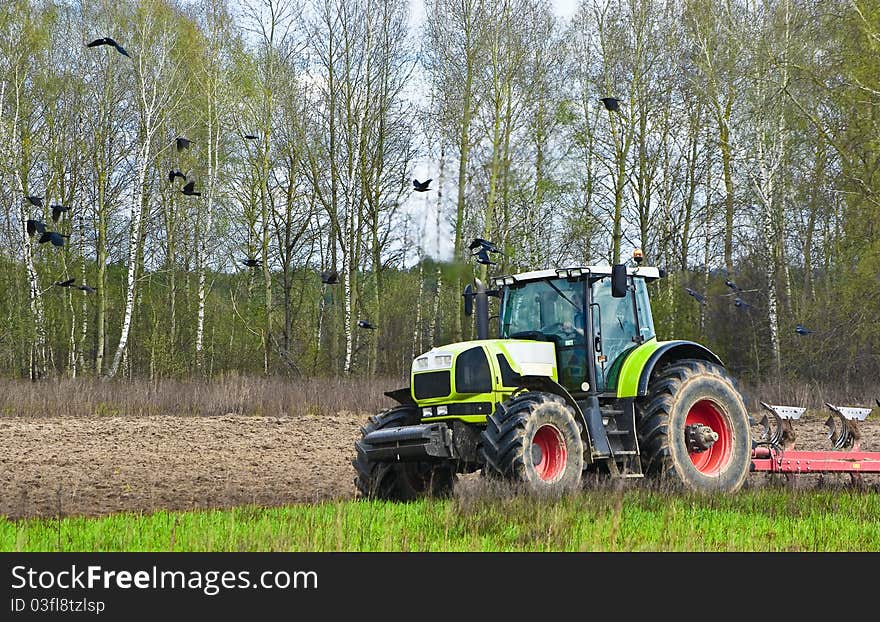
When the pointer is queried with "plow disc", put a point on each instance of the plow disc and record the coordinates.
(842, 423)
(774, 450)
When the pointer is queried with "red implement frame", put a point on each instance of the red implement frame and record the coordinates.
(777, 454)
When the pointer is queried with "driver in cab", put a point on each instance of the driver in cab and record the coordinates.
(577, 324)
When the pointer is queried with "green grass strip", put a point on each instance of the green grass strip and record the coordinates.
(591, 521)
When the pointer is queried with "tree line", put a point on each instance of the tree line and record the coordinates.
(284, 235)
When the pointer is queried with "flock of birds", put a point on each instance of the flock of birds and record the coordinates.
(480, 248)
(739, 302)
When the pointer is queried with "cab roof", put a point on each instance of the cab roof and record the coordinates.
(648, 273)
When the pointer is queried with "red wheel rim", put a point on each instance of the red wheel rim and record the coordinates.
(554, 455)
(711, 461)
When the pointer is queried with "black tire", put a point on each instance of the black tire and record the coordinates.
(399, 481)
(702, 393)
(515, 434)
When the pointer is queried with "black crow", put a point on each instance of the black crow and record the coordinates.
(183, 143)
(57, 210)
(800, 329)
(250, 137)
(696, 295)
(86, 288)
(36, 201)
(67, 283)
(485, 244)
(421, 186)
(33, 226)
(57, 239)
(330, 277)
(108, 41)
(482, 256)
(252, 263)
(365, 324)
(189, 190)
(742, 304)
(610, 103)
(175, 172)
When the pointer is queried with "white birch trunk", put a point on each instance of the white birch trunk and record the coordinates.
(134, 239)
(203, 230)
(37, 363)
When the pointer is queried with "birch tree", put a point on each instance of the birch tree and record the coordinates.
(156, 71)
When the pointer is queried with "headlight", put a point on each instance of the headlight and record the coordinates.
(427, 412)
(443, 360)
(422, 362)
(442, 411)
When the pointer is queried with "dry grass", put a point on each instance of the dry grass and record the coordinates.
(811, 395)
(278, 396)
(238, 395)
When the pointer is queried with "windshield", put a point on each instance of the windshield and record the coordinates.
(542, 306)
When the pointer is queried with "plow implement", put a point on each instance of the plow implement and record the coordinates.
(774, 451)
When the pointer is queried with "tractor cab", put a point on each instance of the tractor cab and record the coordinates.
(592, 321)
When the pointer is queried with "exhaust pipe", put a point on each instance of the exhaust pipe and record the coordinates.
(476, 295)
(482, 305)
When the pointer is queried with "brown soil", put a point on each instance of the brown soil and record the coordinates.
(99, 465)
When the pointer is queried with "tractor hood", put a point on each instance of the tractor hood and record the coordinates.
(462, 370)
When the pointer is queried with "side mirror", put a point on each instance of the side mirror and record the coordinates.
(468, 300)
(618, 280)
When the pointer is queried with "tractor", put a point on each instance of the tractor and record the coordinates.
(574, 382)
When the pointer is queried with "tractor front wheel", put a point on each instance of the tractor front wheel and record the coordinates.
(693, 428)
(399, 481)
(533, 439)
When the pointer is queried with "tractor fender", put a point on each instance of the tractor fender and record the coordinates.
(639, 366)
(402, 396)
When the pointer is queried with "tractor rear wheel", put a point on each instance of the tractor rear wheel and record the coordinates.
(693, 428)
(399, 481)
(533, 439)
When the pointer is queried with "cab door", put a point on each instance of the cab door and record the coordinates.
(615, 330)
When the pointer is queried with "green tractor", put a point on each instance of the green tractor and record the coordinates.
(576, 382)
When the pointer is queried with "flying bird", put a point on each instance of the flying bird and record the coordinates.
(57, 239)
(108, 41)
(421, 186)
(33, 226)
(252, 263)
(878, 401)
(611, 103)
(189, 190)
(66, 283)
(742, 304)
(35, 201)
(174, 173)
(484, 244)
(800, 329)
(183, 143)
(330, 277)
(696, 295)
(57, 210)
(732, 285)
(86, 288)
(250, 137)
(482, 256)
(365, 324)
